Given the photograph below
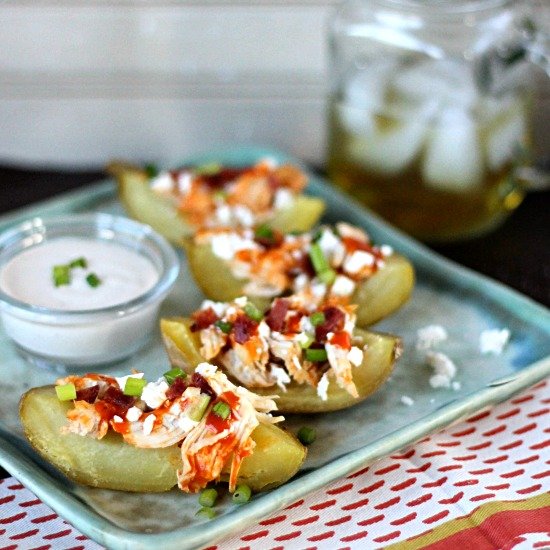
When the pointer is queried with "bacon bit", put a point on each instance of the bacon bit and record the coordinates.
(114, 402)
(222, 177)
(88, 394)
(274, 241)
(334, 322)
(203, 319)
(341, 339)
(275, 318)
(198, 381)
(175, 390)
(302, 265)
(243, 328)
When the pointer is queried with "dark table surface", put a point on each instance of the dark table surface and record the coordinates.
(516, 254)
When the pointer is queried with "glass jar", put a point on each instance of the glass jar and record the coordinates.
(430, 110)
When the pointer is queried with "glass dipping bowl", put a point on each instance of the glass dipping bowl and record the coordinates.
(63, 339)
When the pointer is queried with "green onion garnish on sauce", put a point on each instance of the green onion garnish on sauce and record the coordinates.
(224, 326)
(66, 392)
(317, 318)
(306, 340)
(79, 262)
(93, 280)
(172, 374)
(242, 494)
(327, 276)
(264, 232)
(316, 355)
(134, 386)
(208, 497)
(253, 312)
(318, 259)
(222, 409)
(306, 435)
(61, 275)
(196, 412)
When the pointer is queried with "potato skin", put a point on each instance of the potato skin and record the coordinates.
(377, 297)
(146, 206)
(110, 463)
(382, 350)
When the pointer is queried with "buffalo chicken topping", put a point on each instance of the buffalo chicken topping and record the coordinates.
(212, 195)
(296, 340)
(328, 263)
(207, 415)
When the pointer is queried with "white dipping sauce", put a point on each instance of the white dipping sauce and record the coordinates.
(124, 274)
(75, 330)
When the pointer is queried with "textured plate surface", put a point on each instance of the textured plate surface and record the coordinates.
(463, 302)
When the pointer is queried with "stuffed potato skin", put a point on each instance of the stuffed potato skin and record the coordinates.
(144, 205)
(376, 297)
(381, 353)
(110, 463)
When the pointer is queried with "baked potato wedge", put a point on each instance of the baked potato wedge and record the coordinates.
(376, 297)
(146, 206)
(380, 355)
(110, 463)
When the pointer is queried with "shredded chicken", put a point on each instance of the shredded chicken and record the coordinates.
(270, 357)
(84, 419)
(228, 196)
(208, 443)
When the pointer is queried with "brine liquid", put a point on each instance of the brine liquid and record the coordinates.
(390, 174)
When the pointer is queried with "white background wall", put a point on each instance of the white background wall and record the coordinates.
(82, 82)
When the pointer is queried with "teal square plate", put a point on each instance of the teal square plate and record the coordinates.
(464, 302)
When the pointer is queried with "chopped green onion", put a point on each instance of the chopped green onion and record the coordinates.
(222, 409)
(306, 340)
(224, 326)
(242, 494)
(93, 280)
(207, 169)
(253, 312)
(316, 355)
(318, 234)
(134, 386)
(208, 497)
(220, 195)
(196, 412)
(318, 259)
(264, 232)
(327, 276)
(206, 512)
(151, 170)
(174, 373)
(317, 318)
(61, 275)
(306, 435)
(66, 392)
(79, 262)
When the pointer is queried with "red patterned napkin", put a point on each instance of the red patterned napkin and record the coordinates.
(483, 484)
